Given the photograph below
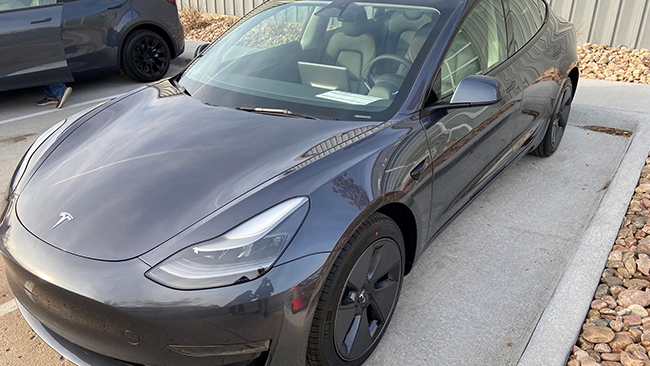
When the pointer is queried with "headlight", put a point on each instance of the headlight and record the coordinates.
(240, 255)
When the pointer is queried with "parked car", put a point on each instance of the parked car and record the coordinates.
(263, 207)
(53, 41)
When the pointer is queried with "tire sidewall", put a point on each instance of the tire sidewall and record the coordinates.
(127, 56)
(548, 139)
(329, 352)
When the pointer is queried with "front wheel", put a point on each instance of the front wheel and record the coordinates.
(145, 57)
(359, 296)
(558, 123)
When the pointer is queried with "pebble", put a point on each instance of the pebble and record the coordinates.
(621, 340)
(643, 264)
(598, 304)
(613, 281)
(616, 325)
(602, 348)
(629, 297)
(611, 356)
(628, 359)
(638, 310)
(636, 284)
(598, 334)
(602, 290)
(616, 290)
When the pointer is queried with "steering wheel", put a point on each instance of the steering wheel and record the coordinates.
(365, 74)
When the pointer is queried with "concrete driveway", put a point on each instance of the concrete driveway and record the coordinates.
(476, 295)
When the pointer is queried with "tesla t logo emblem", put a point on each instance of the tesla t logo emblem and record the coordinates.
(64, 217)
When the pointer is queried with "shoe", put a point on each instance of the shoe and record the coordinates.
(46, 101)
(64, 97)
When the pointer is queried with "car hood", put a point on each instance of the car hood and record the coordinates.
(146, 167)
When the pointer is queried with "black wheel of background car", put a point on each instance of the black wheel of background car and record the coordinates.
(558, 123)
(145, 56)
(359, 296)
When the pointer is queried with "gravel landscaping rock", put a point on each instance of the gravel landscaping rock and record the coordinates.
(617, 329)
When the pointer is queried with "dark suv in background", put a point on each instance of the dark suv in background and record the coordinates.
(50, 41)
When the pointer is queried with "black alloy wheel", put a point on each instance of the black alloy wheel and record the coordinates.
(558, 123)
(146, 56)
(368, 299)
(359, 296)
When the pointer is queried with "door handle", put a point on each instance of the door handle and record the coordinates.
(416, 173)
(41, 21)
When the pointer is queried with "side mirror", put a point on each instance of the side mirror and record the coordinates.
(200, 49)
(472, 91)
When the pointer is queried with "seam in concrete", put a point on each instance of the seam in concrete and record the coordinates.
(559, 325)
(8, 307)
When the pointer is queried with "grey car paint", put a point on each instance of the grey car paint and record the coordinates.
(74, 39)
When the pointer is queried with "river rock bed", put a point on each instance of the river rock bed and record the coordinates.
(617, 329)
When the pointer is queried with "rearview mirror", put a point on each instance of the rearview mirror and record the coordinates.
(472, 91)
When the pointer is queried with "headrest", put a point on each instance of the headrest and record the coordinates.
(413, 14)
(354, 21)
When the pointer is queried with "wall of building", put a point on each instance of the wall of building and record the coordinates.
(612, 22)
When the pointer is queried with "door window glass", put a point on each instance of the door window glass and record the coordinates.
(527, 18)
(6, 5)
(478, 47)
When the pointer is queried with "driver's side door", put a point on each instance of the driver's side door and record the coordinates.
(468, 145)
(31, 49)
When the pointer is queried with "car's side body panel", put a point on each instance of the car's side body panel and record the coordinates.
(92, 32)
(492, 138)
(31, 52)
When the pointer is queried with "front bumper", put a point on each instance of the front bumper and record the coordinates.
(98, 313)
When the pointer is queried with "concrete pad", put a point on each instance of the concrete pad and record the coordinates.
(477, 293)
(561, 321)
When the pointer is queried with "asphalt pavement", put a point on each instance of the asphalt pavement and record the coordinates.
(478, 293)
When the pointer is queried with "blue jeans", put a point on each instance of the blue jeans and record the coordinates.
(54, 91)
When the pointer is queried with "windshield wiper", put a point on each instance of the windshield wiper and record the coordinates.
(274, 112)
(179, 86)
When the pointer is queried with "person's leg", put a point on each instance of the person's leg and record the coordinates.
(55, 94)
(65, 93)
(54, 91)
(52, 94)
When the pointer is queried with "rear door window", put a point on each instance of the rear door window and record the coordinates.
(527, 18)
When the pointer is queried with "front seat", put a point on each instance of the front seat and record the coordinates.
(352, 46)
(416, 44)
(402, 28)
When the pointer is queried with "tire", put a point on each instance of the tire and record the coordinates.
(558, 122)
(145, 56)
(362, 287)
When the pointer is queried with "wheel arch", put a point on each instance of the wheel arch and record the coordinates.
(574, 76)
(151, 27)
(404, 218)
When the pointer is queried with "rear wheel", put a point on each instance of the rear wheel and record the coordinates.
(145, 56)
(359, 295)
(558, 123)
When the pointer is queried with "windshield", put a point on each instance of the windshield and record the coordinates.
(326, 59)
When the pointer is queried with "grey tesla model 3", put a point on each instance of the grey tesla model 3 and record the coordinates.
(264, 206)
(53, 41)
